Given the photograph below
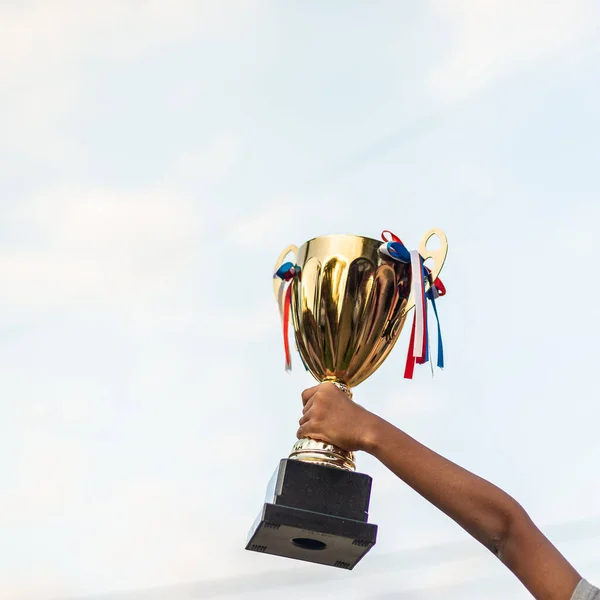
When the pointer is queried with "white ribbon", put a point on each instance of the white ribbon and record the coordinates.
(384, 250)
(280, 295)
(417, 288)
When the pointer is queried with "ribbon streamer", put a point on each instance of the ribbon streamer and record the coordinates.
(286, 272)
(431, 293)
(418, 346)
(420, 309)
(286, 327)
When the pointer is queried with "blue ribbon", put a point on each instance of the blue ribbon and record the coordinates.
(440, 358)
(287, 271)
(398, 251)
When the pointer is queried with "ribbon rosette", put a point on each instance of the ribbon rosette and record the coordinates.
(418, 347)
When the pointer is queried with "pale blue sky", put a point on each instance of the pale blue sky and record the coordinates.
(157, 156)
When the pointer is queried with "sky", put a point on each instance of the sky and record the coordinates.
(156, 158)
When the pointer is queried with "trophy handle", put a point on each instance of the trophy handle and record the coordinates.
(286, 251)
(439, 258)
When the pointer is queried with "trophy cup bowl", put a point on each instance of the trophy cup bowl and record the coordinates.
(348, 307)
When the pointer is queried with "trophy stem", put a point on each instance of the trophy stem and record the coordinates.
(322, 453)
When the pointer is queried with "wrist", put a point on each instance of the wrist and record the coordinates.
(370, 434)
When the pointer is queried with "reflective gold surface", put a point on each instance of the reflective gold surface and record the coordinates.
(321, 453)
(348, 308)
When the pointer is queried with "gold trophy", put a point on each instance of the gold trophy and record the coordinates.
(348, 307)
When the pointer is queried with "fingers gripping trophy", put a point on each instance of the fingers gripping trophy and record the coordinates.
(347, 298)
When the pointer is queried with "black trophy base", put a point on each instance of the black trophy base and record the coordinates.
(315, 513)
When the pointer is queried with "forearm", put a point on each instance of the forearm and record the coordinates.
(486, 512)
(482, 509)
(490, 515)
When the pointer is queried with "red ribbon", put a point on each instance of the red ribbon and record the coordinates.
(409, 369)
(286, 322)
(441, 288)
(393, 236)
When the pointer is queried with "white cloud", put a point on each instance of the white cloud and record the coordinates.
(96, 244)
(38, 37)
(260, 323)
(491, 38)
(152, 529)
(142, 530)
(128, 249)
(45, 48)
(211, 165)
(257, 229)
(47, 466)
(44, 585)
(292, 219)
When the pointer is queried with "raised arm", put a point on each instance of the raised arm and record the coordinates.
(490, 515)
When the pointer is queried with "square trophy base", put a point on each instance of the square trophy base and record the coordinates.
(315, 513)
